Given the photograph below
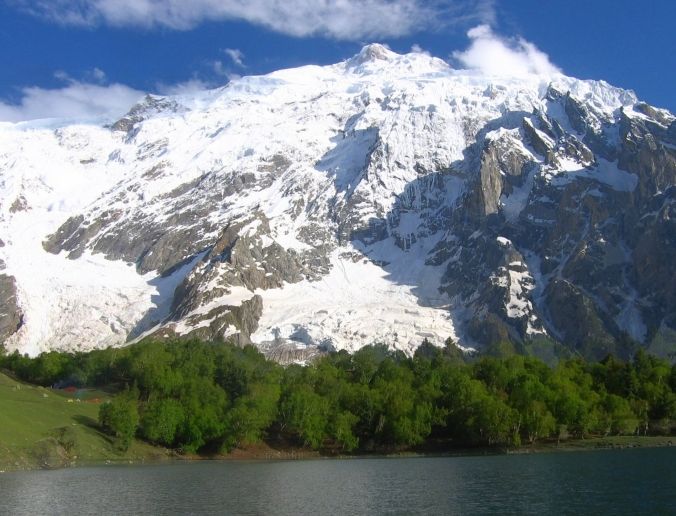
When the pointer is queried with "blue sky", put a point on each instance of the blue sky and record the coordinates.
(89, 57)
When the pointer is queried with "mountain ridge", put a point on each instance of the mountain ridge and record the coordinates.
(386, 198)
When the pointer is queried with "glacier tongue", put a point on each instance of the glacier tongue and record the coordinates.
(326, 207)
(359, 302)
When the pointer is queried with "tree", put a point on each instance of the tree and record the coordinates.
(49, 368)
(617, 416)
(528, 396)
(427, 350)
(120, 418)
(343, 430)
(537, 421)
(152, 369)
(251, 415)
(452, 352)
(365, 363)
(306, 413)
(161, 421)
(574, 398)
(205, 405)
(495, 421)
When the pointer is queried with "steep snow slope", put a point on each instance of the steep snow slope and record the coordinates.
(320, 206)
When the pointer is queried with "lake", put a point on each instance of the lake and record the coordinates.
(631, 481)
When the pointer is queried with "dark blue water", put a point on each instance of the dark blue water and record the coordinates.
(604, 482)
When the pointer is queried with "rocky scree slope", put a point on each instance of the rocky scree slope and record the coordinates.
(387, 198)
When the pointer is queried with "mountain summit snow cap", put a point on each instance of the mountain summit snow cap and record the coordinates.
(372, 53)
(377, 58)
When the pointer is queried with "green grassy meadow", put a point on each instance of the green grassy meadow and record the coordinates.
(44, 428)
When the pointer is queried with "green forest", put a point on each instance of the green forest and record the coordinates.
(199, 397)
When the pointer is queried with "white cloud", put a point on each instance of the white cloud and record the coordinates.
(236, 55)
(183, 88)
(62, 76)
(91, 99)
(417, 49)
(99, 75)
(95, 75)
(340, 19)
(222, 70)
(77, 100)
(495, 55)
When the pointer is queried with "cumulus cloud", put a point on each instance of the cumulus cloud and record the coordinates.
(340, 19)
(495, 55)
(236, 55)
(77, 100)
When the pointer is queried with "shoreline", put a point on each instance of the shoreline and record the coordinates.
(266, 453)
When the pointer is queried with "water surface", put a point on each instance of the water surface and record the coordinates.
(604, 482)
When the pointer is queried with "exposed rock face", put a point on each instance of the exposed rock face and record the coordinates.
(145, 109)
(11, 317)
(290, 353)
(217, 323)
(590, 241)
(384, 199)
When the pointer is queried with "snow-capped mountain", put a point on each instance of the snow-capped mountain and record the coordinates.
(388, 198)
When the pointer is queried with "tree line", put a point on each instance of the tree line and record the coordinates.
(212, 397)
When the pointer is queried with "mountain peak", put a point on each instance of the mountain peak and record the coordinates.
(375, 58)
(372, 53)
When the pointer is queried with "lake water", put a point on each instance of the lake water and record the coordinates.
(634, 481)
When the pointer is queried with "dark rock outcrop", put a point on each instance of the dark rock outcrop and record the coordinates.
(11, 317)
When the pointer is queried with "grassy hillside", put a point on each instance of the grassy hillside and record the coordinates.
(44, 428)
